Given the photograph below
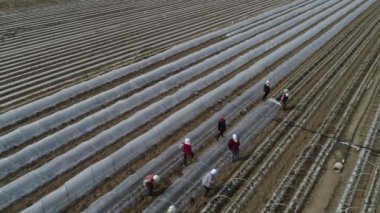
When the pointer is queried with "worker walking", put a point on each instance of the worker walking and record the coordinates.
(221, 127)
(208, 181)
(171, 209)
(233, 146)
(284, 98)
(149, 182)
(187, 151)
(266, 91)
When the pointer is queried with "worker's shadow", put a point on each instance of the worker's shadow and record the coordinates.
(243, 158)
(290, 108)
(159, 191)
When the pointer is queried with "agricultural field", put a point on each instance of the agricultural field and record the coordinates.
(97, 94)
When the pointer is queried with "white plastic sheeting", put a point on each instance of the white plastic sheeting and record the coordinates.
(113, 198)
(57, 72)
(180, 194)
(260, 33)
(70, 192)
(132, 147)
(281, 13)
(188, 186)
(124, 194)
(54, 141)
(30, 109)
(86, 180)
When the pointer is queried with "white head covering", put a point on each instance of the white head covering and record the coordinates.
(213, 171)
(286, 90)
(267, 83)
(234, 137)
(187, 141)
(171, 209)
(156, 178)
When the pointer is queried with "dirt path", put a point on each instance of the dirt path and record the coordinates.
(261, 195)
(329, 189)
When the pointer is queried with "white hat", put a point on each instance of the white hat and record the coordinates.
(267, 83)
(171, 209)
(338, 166)
(213, 171)
(156, 178)
(187, 141)
(234, 136)
(286, 90)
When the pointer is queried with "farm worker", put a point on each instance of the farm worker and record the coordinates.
(266, 91)
(150, 181)
(233, 146)
(171, 209)
(186, 149)
(221, 127)
(208, 180)
(284, 98)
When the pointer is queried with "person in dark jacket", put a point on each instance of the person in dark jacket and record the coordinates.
(266, 91)
(149, 182)
(284, 98)
(187, 152)
(221, 128)
(233, 146)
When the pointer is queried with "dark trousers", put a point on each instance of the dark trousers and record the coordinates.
(150, 190)
(265, 96)
(206, 190)
(283, 104)
(235, 155)
(185, 158)
(220, 134)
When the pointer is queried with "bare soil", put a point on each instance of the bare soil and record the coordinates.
(326, 192)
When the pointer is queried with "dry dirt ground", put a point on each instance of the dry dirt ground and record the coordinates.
(334, 97)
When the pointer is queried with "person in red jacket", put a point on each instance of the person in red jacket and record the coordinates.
(186, 149)
(150, 181)
(284, 98)
(233, 146)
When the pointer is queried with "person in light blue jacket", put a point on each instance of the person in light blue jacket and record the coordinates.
(208, 181)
